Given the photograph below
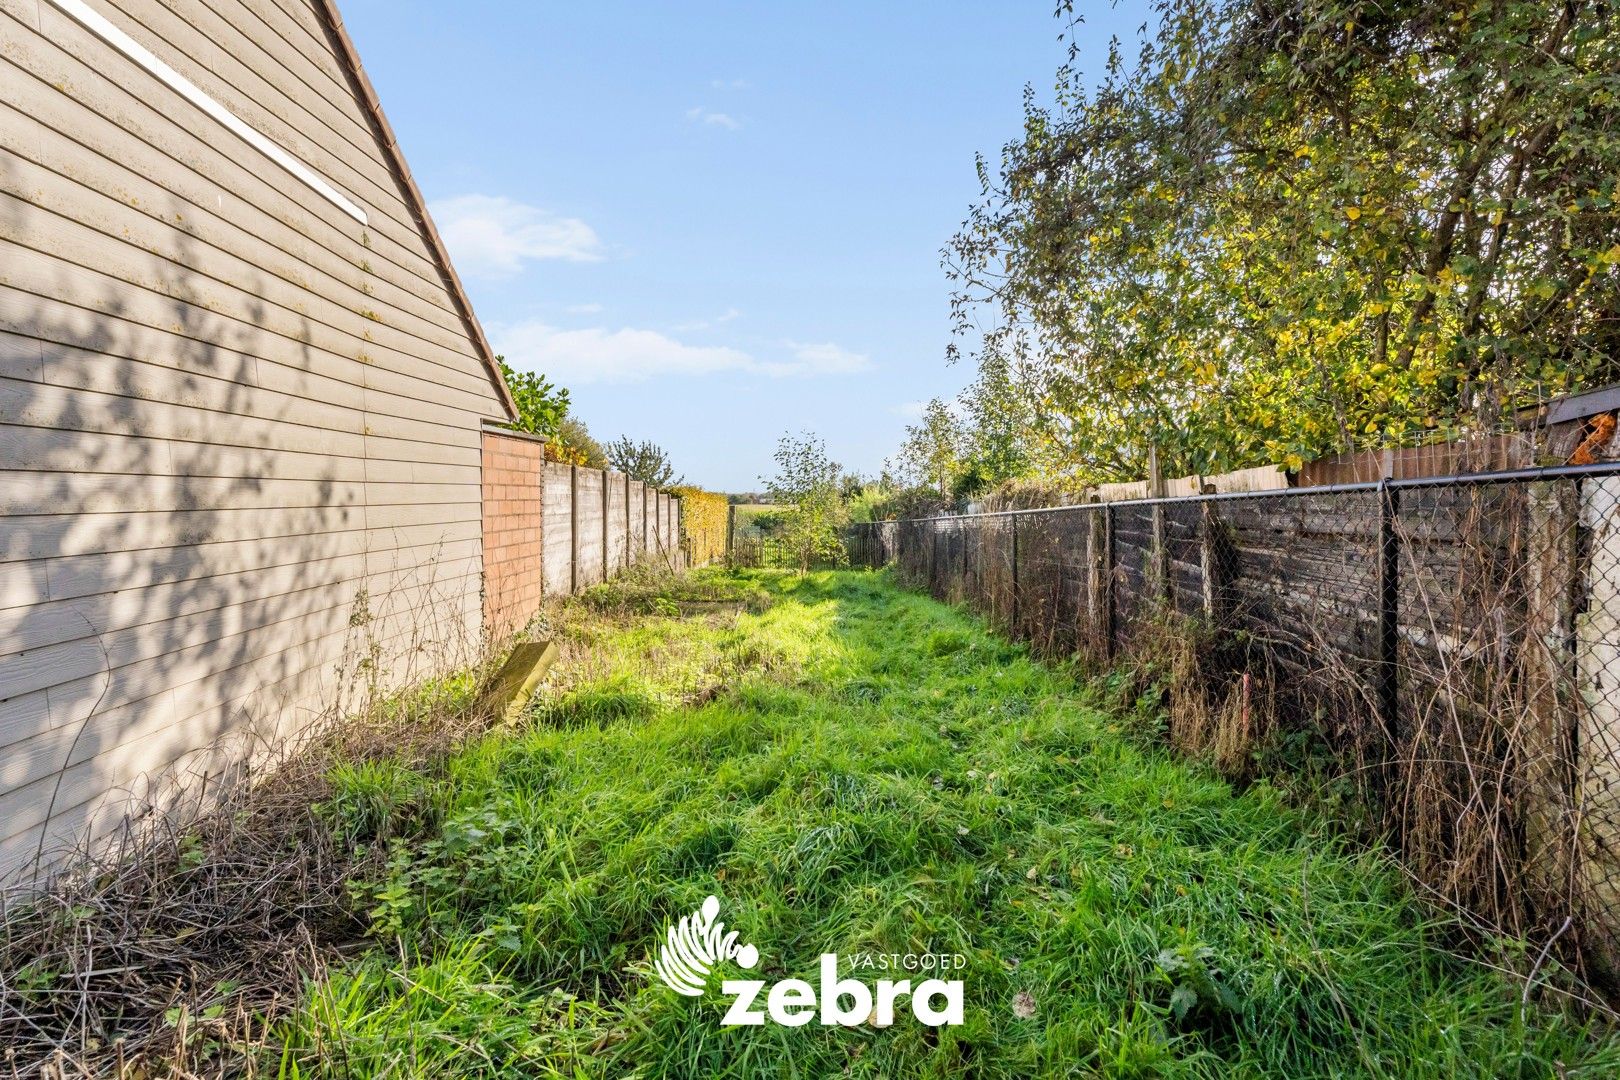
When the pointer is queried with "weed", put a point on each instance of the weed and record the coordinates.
(614, 701)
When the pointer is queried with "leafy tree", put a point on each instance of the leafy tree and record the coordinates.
(933, 448)
(644, 461)
(1298, 226)
(578, 445)
(541, 405)
(850, 485)
(543, 410)
(768, 522)
(871, 502)
(807, 487)
(1000, 440)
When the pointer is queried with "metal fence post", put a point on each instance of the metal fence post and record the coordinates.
(1093, 574)
(1578, 585)
(1160, 586)
(1014, 522)
(964, 528)
(1207, 557)
(1389, 576)
(1108, 581)
(935, 571)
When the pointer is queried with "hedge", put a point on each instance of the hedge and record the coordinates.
(703, 525)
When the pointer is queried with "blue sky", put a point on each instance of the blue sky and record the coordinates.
(715, 222)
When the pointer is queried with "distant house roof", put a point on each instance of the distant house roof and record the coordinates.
(384, 132)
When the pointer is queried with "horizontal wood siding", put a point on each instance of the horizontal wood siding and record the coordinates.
(240, 447)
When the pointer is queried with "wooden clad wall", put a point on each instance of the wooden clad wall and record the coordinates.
(239, 431)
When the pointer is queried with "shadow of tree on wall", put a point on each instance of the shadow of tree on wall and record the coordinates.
(185, 566)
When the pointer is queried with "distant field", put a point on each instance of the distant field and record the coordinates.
(747, 512)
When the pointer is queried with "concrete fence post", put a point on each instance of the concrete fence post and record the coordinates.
(679, 509)
(658, 525)
(573, 529)
(1594, 645)
(1554, 589)
(607, 503)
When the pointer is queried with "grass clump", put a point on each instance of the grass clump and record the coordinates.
(652, 588)
(598, 704)
(854, 769)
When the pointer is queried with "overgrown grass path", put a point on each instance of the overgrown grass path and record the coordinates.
(853, 769)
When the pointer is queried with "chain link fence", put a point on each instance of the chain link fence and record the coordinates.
(1453, 642)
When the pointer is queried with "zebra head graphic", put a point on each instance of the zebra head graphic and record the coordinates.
(694, 945)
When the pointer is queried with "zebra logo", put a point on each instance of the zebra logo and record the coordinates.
(694, 946)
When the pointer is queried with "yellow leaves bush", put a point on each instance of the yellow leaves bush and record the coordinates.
(703, 524)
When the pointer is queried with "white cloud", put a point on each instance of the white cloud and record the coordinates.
(729, 84)
(817, 359)
(700, 115)
(576, 357)
(703, 324)
(583, 309)
(492, 236)
(573, 357)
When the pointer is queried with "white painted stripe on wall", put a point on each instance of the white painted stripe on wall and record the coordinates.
(86, 16)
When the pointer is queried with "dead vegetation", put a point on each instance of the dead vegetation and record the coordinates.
(173, 948)
(169, 951)
(1467, 790)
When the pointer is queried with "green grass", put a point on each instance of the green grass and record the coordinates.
(852, 768)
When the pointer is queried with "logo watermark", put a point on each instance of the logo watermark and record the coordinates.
(694, 946)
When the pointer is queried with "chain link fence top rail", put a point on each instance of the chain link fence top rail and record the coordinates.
(1454, 641)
